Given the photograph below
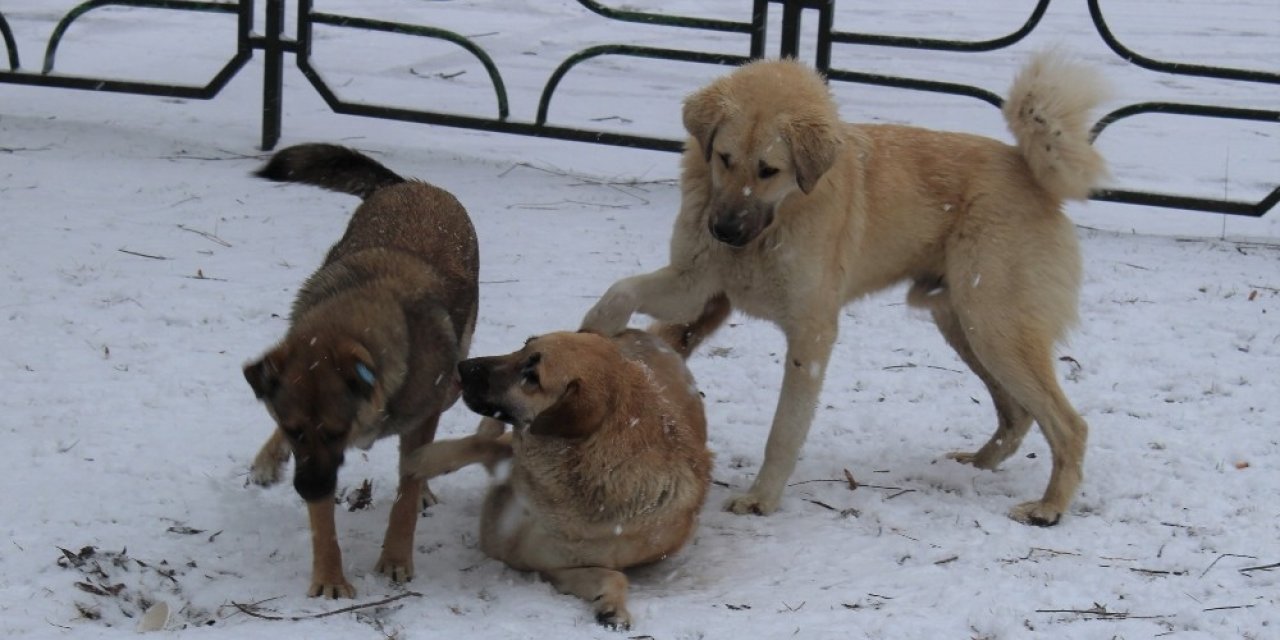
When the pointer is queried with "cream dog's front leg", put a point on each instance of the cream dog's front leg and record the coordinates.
(669, 294)
(808, 350)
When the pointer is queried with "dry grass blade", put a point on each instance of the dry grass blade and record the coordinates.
(252, 609)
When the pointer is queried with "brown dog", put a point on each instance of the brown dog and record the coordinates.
(374, 337)
(794, 214)
(610, 462)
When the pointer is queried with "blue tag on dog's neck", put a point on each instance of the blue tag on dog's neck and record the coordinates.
(365, 373)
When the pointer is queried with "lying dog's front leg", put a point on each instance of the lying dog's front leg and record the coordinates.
(326, 558)
(605, 589)
(668, 294)
(808, 350)
(446, 456)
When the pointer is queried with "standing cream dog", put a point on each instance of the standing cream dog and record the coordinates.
(794, 214)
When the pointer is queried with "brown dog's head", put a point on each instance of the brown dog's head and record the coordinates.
(765, 131)
(317, 389)
(559, 384)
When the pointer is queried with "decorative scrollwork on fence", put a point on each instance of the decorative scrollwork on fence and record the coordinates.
(275, 46)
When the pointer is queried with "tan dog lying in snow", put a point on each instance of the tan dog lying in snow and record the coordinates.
(608, 459)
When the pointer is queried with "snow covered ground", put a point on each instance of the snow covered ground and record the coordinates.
(142, 266)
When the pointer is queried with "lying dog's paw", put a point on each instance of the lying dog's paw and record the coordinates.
(750, 503)
(1036, 513)
(332, 590)
(614, 619)
(490, 428)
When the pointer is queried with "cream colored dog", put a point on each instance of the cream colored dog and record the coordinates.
(794, 214)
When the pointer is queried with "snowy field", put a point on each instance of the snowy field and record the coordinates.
(142, 266)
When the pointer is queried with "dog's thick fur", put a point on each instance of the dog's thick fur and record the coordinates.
(373, 340)
(610, 462)
(794, 214)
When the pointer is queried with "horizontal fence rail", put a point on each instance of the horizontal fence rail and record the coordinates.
(275, 45)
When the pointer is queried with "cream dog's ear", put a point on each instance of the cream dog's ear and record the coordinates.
(815, 143)
(703, 112)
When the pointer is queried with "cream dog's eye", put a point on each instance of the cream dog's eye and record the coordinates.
(727, 160)
(767, 171)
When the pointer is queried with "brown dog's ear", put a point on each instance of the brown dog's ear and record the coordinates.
(264, 374)
(572, 416)
(815, 144)
(357, 368)
(702, 114)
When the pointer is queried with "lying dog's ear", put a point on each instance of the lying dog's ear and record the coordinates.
(572, 416)
(703, 112)
(815, 141)
(264, 374)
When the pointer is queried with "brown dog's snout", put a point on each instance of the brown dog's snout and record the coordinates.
(315, 481)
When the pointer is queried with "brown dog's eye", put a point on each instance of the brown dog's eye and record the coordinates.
(726, 159)
(767, 171)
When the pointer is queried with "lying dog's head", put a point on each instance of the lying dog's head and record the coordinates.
(559, 384)
(318, 389)
(765, 131)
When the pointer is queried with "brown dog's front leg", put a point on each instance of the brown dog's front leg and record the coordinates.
(326, 558)
(396, 560)
(270, 460)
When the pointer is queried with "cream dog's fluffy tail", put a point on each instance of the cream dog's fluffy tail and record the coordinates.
(1048, 112)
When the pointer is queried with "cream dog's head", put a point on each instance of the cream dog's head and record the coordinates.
(766, 130)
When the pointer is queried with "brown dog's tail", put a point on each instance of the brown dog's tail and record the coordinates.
(1047, 110)
(686, 337)
(331, 167)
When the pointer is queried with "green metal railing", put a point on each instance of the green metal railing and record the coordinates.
(274, 46)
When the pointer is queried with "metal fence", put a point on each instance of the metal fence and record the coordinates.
(275, 45)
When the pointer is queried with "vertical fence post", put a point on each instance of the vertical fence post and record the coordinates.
(791, 28)
(826, 21)
(759, 27)
(792, 10)
(273, 75)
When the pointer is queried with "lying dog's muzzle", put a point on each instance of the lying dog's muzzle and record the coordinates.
(474, 375)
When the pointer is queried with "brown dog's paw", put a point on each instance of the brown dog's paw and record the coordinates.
(331, 589)
(1036, 513)
(398, 571)
(265, 473)
(614, 619)
(750, 503)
